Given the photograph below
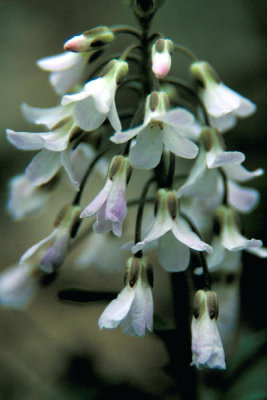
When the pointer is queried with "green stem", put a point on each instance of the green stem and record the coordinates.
(126, 29)
(184, 50)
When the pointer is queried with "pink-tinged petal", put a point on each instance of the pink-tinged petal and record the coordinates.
(114, 118)
(241, 198)
(86, 116)
(195, 174)
(25, 140)
(55, 254)
(258, 251)
(224, 123)
(102, 225)
(158, 229)
(98, 201)
(177, 118)
(184, 234)
(17, 287)
(146, 153)
(179, 145)
(117, 309)
(173, 255)
(46, 116)
(122, 137)
(161, 64)
(43, 167)
(38, 249)
(246, 108)
(117, 228)
(224, 158)
(241, 174)
(116, 207)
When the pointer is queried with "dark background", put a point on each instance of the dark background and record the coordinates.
(55, 350)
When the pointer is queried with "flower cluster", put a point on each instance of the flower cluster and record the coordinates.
(197, 180)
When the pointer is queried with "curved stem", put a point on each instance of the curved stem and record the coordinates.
(126, 29)
(184, 50)
(128, 50)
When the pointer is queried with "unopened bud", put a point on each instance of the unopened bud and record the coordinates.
(161, 57)
(90, 40)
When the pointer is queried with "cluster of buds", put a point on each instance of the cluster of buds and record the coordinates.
(198, 181)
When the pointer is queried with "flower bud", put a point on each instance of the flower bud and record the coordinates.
(161, 57)
(90, 40)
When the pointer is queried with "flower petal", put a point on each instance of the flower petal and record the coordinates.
(179, 145)
(46, 116)
(25, 140)
(146, 153)
(122, 137)
(117, 309)
(173, 255)
(220, 100)
(43, 167)
(114, 118)
(98, 201)
(59, 62)
(184, 234)
(178, 118)
(240, 174)
(241, 198)
(224, 123)
(224, 158)
(246, 108)
(86, 115)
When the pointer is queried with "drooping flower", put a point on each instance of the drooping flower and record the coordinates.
(161, 57)
(133, 308)
(174, 234)
(50, 252)
(160, 127)
(207, 348)
(66, 69)
(110, 203)
(223, 104)
(91, 40)
(230, 235)
(25, 199)
(96, 101)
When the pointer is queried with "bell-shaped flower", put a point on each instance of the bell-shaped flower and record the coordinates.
(49, 253)
(133, 308)
(174, 234)
(91, 40)
(207, 348)
(25, 199)
(230, 235)
(219, 100)
(66, 69)
(160, 127)
(161, 57)
(96, 101)
(18, 285)
(110, 203)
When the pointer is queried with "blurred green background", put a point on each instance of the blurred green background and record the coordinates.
(55, 350)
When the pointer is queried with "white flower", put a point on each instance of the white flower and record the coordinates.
(160, 127)
(50, 252)
(18, 285)
(161, 57)
(174, 234)
(67, 69)
(230, 236)
(220, 101)
(96, 101)
(207, 349)
(110, 203)
(133, 308)
(25, 199)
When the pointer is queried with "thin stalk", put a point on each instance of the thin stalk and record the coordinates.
(128, 49)
(170, 175)
(184, 50)
(126, 29)
(225, 186)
